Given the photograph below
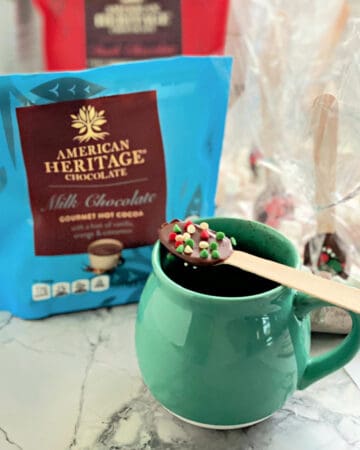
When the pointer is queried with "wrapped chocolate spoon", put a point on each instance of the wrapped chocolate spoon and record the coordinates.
(327, 48)
(325, 252)
(199, 246)
(273, 203)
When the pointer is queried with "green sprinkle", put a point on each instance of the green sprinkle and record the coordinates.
(335, 265)
(214, 246)
(170, 257)
(220, 236)
(180, 249)
(233, 241)
(189, 242)
(215, 254)
(176, 228)
(204, 254)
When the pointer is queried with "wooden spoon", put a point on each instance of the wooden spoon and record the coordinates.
(171, 235)
(273, 204)
(327, 48)
(333, 292)
(326, 250)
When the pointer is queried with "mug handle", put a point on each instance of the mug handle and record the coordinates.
(320, 366)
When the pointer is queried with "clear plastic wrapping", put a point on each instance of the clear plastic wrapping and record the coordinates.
(293, 53)
(20, 37)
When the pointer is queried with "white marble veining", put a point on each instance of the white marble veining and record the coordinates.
(72, 382)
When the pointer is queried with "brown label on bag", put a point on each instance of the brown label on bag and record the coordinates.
(95, 169)
(132, 29)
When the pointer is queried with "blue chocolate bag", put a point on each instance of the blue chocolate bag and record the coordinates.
(91, 163)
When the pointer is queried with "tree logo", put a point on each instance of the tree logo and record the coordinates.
(88, 122)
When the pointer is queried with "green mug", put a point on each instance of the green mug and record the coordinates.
(231, 361)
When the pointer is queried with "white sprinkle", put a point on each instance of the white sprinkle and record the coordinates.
(179, 237)
(188, 250)
(203, 244)
(186, 236)
(204, 226)
(191, 229)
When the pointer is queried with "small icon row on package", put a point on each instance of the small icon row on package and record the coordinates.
(45, 291)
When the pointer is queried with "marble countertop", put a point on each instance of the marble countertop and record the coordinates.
(72, 382)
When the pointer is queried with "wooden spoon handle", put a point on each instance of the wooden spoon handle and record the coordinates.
(272, 66)
(335, 293)
(327, 48)
(331, 39)
(325, 131)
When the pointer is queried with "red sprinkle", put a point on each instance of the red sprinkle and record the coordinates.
(172, 236)
(177, 243)
(324, 258)
(204, 235)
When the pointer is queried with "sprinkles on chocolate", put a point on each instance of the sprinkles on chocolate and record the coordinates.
(196, 244)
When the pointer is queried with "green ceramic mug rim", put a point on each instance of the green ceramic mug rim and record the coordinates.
(155, 258)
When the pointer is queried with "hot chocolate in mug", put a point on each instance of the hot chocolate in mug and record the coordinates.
(222, 348)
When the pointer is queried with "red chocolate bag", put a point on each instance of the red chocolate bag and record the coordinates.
(89, 33)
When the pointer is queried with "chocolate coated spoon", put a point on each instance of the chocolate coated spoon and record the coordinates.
(198, 245)
(325, 251)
